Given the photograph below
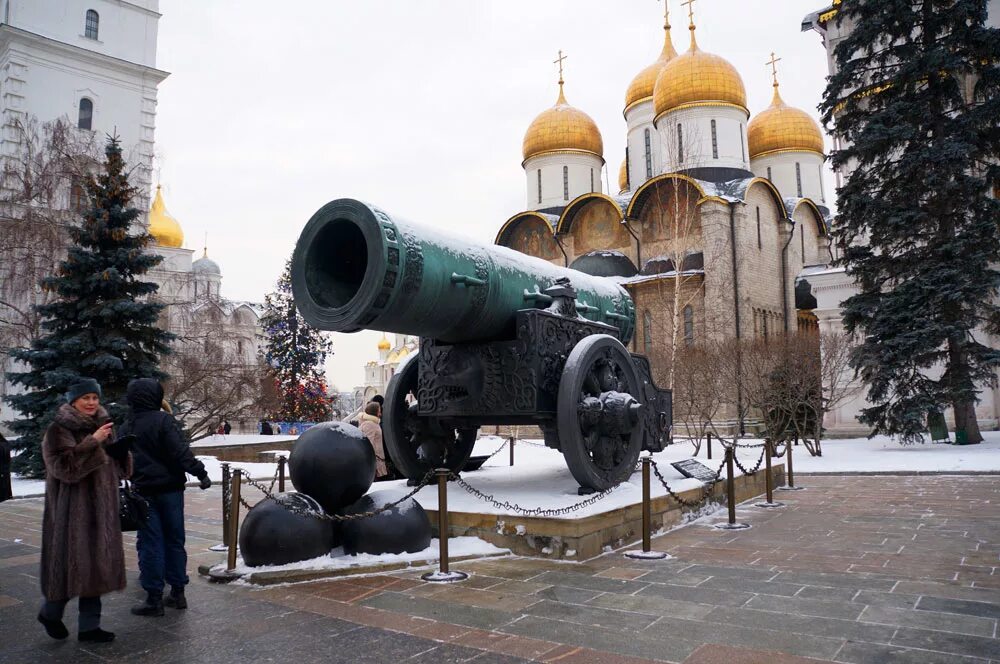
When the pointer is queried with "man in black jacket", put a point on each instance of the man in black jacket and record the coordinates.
(161, 458)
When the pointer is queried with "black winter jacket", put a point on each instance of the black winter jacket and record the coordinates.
(161, 457)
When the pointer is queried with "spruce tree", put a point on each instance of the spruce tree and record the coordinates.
(915, 104)
(295, 352)
(101, 323)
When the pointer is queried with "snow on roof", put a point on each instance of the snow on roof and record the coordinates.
(644, 278)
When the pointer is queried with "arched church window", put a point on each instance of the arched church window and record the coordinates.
(647, 332)
(239, 346)
(649, 157)
(768, 172)
(688, 325)
(715, 142)
(759, 244)
(77, 198)
(592, 180)
(802, 241)
(565, 183)
(86, 116)
(91, 25)
(539, 185)
(743, 152)
(196, 290)
(822, 192)
(798, 178)
(680, 143)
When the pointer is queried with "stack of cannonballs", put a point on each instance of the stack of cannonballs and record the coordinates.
(332, 466)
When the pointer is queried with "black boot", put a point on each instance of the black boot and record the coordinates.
(54, 628)
(153, 606)
(176, 599)
(96, 636)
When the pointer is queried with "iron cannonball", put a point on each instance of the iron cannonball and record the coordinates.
(403, 528)
(272, 534)
(334, 463)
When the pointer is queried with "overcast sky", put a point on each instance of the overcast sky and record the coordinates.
(273, 109)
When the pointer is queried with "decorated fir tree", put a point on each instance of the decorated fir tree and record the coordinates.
(295, 352)
(100, 324)
(915, 103)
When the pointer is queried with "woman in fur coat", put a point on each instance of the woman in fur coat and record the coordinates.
(82, 553)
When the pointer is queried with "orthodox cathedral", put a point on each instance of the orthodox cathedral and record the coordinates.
(717, 212)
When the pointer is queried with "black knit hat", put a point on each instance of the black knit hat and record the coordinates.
(81, 387)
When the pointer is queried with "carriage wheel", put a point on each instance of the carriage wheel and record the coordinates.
(418, 444)
(599, 418)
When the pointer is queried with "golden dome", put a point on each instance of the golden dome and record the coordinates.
(781, 128)
(642, 85)
(696, 78)
(562, 127)
(164, 228)
(384, 344)
(623, 176)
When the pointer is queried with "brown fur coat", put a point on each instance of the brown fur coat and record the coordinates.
(373, 432)
(82, 553)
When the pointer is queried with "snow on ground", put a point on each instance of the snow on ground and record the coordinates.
(218, 440)
(540, 477)
(336, 559)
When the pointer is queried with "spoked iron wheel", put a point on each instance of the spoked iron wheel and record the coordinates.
(599, 416)
(418, 444)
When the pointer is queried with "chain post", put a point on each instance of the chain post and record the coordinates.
(708, 439)
(234, 520)
(730, 452)
(768, 481)
(789, 470)
(281, 473)
(225, 510)
(511, 443)
(646, 553)
(443, 575)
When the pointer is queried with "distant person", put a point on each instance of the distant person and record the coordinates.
(221, 430)
(82, 552)
(265, 428)
(226, 428)
(294, 431)
(162, 458)
(379, 399)
(372, 429)
(277, 429)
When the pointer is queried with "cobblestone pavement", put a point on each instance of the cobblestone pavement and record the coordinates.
(865, 570)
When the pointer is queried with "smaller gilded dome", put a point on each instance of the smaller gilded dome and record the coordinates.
(697, 77)
(642, 85)
(206, 265)
(562, 127)
(164, 228)
(623, 176)
(782, 128)
(384, 344)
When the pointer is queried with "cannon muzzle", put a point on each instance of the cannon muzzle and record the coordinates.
(357, 267)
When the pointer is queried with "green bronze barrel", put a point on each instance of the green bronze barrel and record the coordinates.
(356, 267)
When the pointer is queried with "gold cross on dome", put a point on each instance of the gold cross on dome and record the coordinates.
(666, 13)
(773, 63)
(690, 6)
(559, 61)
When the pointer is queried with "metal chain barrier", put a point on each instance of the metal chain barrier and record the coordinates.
(706, 490)
(303, 511)
(535, 511)
(753, 470)
(496, 451)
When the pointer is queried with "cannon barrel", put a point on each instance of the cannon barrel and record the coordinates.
(357, 267)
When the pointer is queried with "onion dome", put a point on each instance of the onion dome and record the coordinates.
(783, 128)
(605, 263)
(696, 78)
(562, 128)
(641, 87)
(623, 176)
(206, 265)
(384, 344)
(164, 228)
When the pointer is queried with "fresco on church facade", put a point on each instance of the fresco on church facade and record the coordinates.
(598, 226)
(533, 237)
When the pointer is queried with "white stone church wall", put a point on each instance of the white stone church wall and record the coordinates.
(783, 174)
(584, 176)
(639, 118)
(696, 138)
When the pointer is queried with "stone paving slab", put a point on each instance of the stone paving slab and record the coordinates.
(857, 570)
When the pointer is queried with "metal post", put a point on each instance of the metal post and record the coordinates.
(708, 438)
(647, 519)
(789, 471)
(218, 574)
(234, 520)
(225, 510)
(730, 451)
(511, 443)
(281, 473)
(443, 575)
(768, 482)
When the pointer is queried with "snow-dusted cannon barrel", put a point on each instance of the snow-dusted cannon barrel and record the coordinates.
(504, 339)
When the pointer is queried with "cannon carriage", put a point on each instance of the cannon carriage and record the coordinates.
(505, 339)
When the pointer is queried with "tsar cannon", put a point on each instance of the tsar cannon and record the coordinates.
(505, 339)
